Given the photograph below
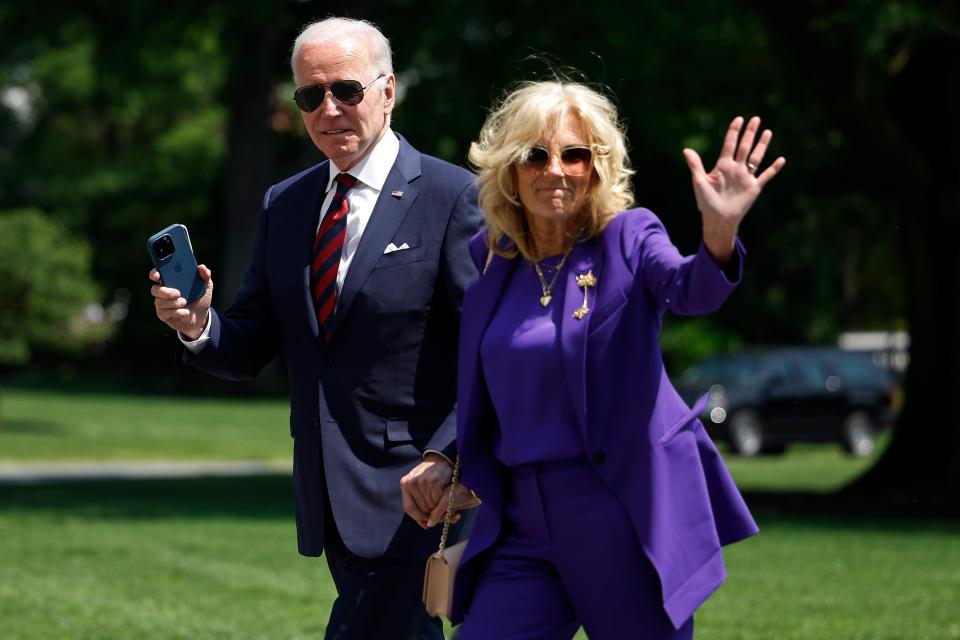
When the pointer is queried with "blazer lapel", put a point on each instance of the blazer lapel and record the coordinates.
(384, 221)
(586, 257)
(482, 297)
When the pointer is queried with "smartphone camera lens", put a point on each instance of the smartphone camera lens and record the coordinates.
(163, 247)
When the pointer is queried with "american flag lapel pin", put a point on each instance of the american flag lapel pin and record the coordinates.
(397, 194)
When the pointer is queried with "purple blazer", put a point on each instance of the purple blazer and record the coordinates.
(643, 440)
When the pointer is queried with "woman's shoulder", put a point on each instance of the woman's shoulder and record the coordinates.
(628, 228)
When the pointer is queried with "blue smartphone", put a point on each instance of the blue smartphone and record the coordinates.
(172, 255)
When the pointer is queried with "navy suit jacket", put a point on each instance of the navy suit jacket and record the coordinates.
(645, 443)
(364, 408)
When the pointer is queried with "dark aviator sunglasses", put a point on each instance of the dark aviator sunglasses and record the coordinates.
(348, 92)
(574, 161)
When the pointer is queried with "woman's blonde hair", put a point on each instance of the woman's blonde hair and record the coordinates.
(514, 126)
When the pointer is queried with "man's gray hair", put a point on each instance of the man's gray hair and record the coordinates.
(331, 29)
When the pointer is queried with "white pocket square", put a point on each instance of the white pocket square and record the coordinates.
(392, 247)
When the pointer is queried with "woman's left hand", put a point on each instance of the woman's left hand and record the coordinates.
(726, 193)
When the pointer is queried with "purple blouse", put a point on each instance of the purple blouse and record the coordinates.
(523, 367)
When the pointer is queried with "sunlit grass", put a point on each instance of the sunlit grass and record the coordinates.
(815, 468)
(216, 558)
(51, 426)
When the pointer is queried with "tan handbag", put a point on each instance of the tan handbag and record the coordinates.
(442, 565)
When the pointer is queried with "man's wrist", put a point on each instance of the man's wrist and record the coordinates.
(433, 454)
(195, 344)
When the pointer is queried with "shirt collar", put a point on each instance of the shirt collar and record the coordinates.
(375, 167)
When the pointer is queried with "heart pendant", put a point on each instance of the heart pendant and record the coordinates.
(545, 299)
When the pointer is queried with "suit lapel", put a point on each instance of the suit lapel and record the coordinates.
(586, 257)
(384, 221)
(481, 298)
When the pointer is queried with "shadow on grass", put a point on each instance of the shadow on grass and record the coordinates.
(33, 427)
(270, 497)
(239, 497)
(842, 510)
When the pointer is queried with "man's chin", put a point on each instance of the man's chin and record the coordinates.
(341, 154)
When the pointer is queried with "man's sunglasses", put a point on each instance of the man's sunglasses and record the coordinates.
(574, 161)
(348, 92)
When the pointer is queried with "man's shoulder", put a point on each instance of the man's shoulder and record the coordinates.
(438, 171)
(296, 188)
(308, 176)
(442, 167)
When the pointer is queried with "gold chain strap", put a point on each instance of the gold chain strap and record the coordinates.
(446, 518)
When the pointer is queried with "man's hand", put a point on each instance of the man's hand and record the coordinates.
(188, 319)
(463, 498)
(423, 488)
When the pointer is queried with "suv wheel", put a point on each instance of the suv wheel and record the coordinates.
(859, 435)
(746, 433)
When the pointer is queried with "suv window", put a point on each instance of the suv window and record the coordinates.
(858, 370)
(729, 370)
(807, 373)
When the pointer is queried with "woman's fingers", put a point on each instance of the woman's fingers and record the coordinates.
(756, 156)
(730, 139)
(464, 498)
(693, 162)
(438, 513)
(746, 141)
(771, 171)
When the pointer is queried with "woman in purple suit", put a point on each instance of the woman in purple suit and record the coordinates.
(605, 504)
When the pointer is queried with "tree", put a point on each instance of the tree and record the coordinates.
(46, 287)
(882, 72)
(121, 133)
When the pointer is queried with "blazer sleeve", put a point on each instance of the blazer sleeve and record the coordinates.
(686, 285)
(244, 338)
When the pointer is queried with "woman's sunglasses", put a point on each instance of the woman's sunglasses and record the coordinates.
(574, 161)
(348, 92)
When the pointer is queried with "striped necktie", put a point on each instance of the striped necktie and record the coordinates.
(327, 248)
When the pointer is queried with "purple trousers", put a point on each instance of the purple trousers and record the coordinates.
(567, 556)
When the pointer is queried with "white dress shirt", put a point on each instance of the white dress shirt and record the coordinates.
(371, 172)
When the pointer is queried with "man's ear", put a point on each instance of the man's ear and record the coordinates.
(389, 93)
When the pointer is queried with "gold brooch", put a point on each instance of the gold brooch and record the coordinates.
(584, 281)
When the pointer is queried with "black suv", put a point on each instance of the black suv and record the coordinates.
(762, 400)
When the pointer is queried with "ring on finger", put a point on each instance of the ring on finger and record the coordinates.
(752, 168)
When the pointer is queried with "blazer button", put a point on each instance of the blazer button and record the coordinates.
(599, 457)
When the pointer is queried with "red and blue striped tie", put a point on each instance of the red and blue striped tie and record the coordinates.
(327, 248)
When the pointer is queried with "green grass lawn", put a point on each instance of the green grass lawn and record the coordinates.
(52, 426)
(817, 468)
(57, 426)
(216, 558)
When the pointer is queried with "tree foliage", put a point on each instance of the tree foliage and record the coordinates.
(116, 123)
(45, 285)
(152, 115)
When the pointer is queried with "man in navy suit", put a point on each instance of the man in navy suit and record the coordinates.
(357, 276)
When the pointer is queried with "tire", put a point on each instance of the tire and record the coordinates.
(746, 433)
(859, 435)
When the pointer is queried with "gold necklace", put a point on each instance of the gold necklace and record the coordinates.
(547, 288)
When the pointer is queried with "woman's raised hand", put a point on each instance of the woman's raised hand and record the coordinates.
(725, 194)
